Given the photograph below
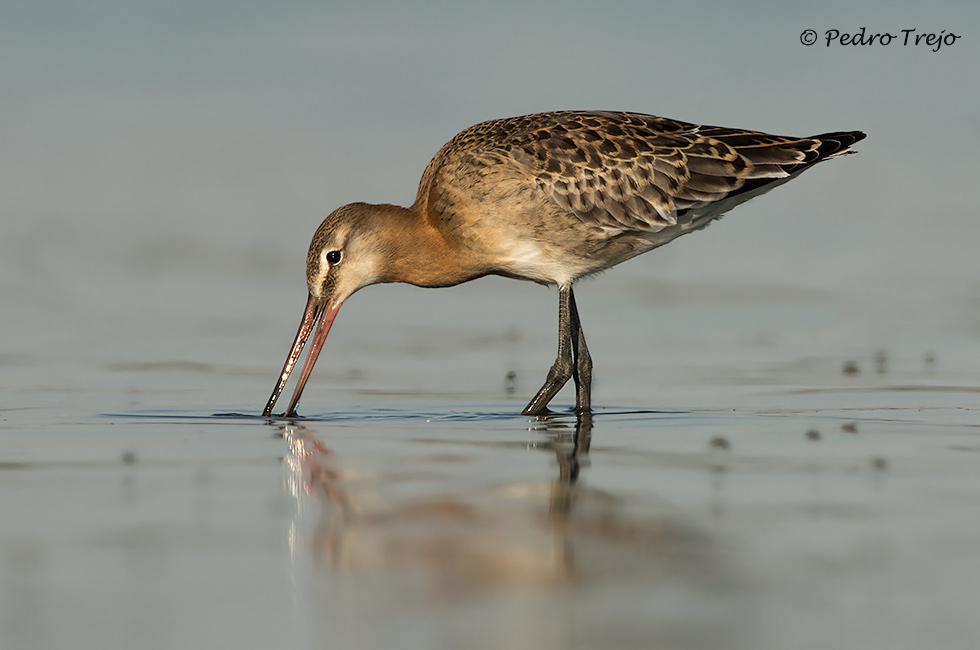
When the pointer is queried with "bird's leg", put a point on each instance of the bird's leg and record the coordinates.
(561, 371)
(583, 362)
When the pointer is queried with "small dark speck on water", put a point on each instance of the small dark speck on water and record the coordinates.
(129, 457)
(510, 384)
(849, 427)
(881, 362)
(930, 360)
(720, 442)
(879, 463)
(851, 368)
(813, 434)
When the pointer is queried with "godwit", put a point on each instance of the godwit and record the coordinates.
(551, 198)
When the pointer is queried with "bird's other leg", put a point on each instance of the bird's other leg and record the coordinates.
(583, 362)
(562, 370)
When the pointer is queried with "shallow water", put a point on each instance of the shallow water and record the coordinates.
(735, 488)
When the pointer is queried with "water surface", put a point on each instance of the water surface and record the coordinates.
(735, 487)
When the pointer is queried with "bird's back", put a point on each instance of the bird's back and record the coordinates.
(629, 171)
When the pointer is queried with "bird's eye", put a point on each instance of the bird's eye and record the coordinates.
(333, 257)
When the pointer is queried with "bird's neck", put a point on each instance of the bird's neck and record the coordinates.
(418, 253)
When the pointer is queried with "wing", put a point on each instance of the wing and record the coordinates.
(628, 171)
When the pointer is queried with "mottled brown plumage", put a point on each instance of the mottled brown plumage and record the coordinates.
(549, 197)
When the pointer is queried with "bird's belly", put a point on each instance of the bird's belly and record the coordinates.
(563, 263)
(540, 263)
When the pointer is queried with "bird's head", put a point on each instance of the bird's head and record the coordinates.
(346, 254)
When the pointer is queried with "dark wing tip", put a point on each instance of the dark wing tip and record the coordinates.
(837, 143)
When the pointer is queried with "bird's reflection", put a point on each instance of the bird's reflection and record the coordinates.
(571, 451)
(462, 539)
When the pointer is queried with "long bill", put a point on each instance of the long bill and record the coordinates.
(316, 314)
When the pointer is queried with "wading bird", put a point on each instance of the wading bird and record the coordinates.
(551, 198)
